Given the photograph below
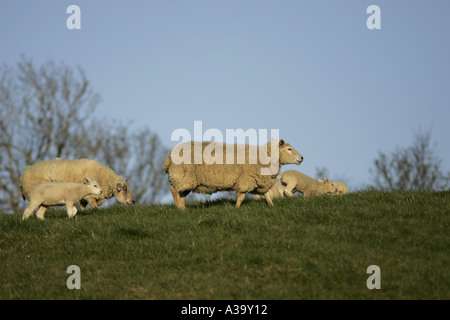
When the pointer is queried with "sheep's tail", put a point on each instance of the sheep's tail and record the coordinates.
(167, 164)
(21, 181)
(279, 177)
(21, 191)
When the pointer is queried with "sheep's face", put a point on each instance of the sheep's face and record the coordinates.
(93, 186)
(288, 155)
(123, 194)
(341, 188)
(328, 186)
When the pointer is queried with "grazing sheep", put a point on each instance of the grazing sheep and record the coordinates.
(297, 181)
(45, 195)
(60, 170)
(242, 176)
(341, 188)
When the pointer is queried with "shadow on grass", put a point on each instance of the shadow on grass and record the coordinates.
(132, 233)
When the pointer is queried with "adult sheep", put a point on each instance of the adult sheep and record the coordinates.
(58, 170)
(207, 167)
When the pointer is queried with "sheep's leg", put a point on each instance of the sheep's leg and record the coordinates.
(29, 210)
(258, 196)
(268, 197)
(288, 190)
(93, 203)
(240, 198)
(183, 196)
(289, 193)
(71, 210)
(181, 203)
(281, 191)
(100, 201)
(40, 213)
(176, 197)
(83, 204)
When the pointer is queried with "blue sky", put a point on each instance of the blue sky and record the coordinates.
(337, 91)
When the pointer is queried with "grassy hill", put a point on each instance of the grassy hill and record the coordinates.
(316, 248)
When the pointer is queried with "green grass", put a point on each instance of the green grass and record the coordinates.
(316, 248)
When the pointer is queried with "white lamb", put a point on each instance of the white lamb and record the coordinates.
(297, 181)
(277, 191)
(45, 195)
(341, 188)
(62, 170)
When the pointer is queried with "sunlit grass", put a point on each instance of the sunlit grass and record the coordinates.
(315, 248)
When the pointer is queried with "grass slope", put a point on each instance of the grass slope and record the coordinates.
(316, 248)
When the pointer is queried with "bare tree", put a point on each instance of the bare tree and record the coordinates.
(42, 109)
(146, 166)
(412, 168)
(48, 112)
(322, 172)
(138, 156)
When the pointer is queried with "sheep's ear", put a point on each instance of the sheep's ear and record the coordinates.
(282, 142)
(86, 180)
(119, 187)
(320, 180)
(326, 179)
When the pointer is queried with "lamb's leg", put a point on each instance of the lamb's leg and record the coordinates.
(240, 198)
(40, 213)
(268, 197)
(289, 193)
(29, 210)
(100, 201)
(93, 203)
(281, 191)
(258, 196)
(71, 210)
(83, 204)
(288, 190)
